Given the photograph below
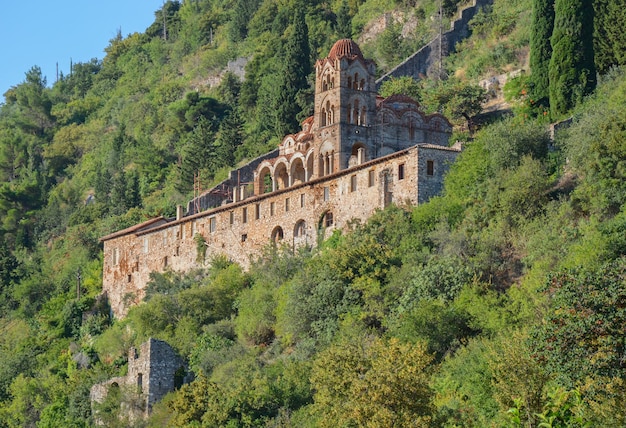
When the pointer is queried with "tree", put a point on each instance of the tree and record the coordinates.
(344, 24)
(404, 85)
(572, 70)
(581, 339)
(375, 382)
(294, 78)
(541, 50)
(609, 39)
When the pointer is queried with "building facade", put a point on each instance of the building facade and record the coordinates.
(359, 152)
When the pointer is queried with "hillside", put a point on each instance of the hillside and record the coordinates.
(498, 303)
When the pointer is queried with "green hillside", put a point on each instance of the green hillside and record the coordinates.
(499, 303)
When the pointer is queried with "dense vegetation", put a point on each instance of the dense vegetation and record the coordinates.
(500, 303)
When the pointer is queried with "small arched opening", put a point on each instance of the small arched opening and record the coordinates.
(299, 229)
(297, 171)
(326, 220)
(277, 234)
(265, 181)
(281, 176)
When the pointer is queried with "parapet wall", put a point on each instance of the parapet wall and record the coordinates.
(424, 62)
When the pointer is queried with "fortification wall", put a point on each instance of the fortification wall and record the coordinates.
(424, 62)
(297, 215)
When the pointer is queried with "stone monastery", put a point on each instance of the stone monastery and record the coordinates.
(359, 152)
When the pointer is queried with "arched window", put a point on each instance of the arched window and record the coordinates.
(355, 113)
(349, 82)
(362, 117)
(326, 220)
(300, 229)
(362, 84)
(329, 113)
(277, 234)
(356, 81)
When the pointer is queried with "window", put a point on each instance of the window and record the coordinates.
(302, 200)
(244, 215)
(232, 217)
(244, 237)
(165, 261)
(328, 219)
(212, 222)
(401, 171)
(272, 208)
(116, 256)
(130, 278)
(326, 193)
(277, 234)
(353, 183)
(430, 167)
(286, 204)
(370, 181)
(257, 211)
(146, 245)
(300, 229)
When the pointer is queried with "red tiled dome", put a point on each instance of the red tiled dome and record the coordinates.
(345, 48)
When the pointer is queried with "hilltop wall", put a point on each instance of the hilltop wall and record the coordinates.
(425, 61)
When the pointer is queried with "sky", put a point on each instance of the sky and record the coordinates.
(47, 32)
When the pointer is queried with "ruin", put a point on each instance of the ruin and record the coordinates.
(153, 371)
(359, 152)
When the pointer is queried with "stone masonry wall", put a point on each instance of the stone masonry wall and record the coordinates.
(422, 62)
(240, 230)
(151, 374)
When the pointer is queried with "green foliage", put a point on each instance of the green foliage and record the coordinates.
(541, 50)
(583, 324)
(572, 71)
(405, 85)
(372, 381)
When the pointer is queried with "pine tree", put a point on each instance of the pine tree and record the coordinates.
(572, 69)
(297, 67)
(541, 50)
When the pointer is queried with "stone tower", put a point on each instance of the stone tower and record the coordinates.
(345, 108)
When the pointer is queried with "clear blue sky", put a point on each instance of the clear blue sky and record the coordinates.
(44, 32)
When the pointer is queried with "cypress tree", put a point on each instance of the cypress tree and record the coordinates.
(609, 35)
(572, 69)
(541, 50)
(297, 67)
(344, 26)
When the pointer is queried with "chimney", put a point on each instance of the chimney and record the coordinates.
(179, 212)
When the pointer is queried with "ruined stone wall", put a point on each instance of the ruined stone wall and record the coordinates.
(295, 215)
(151, 374)
(425, 61)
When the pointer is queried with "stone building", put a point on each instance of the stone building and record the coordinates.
(359, 152)
(153, 371)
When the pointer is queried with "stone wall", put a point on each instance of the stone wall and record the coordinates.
(425, 61)
(153, 371)
(296, 215)
(224, 190)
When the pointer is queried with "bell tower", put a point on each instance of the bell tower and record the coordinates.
(345, 108)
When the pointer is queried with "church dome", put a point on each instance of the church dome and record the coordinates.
(345, 48)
